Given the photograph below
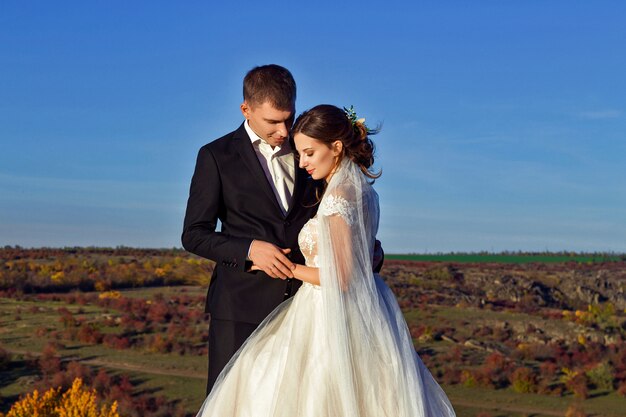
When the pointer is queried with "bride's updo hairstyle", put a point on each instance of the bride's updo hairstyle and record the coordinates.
(328, 123)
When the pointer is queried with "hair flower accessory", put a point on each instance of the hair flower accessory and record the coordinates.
(351, 115)
(358, 123)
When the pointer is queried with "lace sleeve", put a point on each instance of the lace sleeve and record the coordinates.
(337, 205)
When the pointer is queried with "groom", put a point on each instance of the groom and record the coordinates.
(249, 180)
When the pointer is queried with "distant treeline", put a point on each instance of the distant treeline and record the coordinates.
(10, 252)
(513, 257)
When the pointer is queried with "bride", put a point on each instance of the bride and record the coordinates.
(340, 347)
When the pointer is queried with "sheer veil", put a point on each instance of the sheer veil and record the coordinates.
(375, 369)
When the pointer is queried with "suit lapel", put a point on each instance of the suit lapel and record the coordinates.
(251, 161)
(299, 187)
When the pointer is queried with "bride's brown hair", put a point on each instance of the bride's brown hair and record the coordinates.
(328, 123)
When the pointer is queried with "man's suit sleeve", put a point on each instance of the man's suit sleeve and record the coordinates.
(199, 235)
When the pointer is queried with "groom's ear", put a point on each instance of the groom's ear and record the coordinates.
(245, 109)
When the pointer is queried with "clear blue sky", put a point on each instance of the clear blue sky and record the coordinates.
(504, 121)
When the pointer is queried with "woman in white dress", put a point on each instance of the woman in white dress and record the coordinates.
(340, 347)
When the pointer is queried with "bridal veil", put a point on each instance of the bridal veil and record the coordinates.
(375, 369)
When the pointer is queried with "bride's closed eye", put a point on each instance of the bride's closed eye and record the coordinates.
(297, 155)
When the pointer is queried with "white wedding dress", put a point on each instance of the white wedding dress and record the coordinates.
(341, 349)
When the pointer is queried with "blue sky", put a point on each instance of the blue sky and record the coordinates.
(503, 121)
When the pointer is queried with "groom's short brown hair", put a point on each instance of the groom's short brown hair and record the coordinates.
(271, 83)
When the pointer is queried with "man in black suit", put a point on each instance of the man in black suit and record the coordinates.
(249, 180)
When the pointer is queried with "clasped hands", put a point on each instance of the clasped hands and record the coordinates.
(271, 259)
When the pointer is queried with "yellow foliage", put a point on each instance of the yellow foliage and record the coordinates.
(35, 405)
(110, 294)
(601, 315)
(81, 402)
(468, 379)
(57, 277)
(568, 375)
(78, 401)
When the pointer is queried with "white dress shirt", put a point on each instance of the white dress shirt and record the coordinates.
(278, 165)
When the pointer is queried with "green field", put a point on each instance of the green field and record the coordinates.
(506, 258)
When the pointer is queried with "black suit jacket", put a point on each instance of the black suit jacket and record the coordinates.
(229, 184)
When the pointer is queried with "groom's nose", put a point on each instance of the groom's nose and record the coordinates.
(282, 130)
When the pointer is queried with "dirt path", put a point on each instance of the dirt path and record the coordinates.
(122, 366)
(530, 411)
(125, 366)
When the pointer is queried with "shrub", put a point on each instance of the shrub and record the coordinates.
(601, 376)
(493, 372)
(468, 379)
(578, 386)
(524, 380)
(76, 401)
(450, 375)
(602, 316)
(48, 362)
(87, 333)
(116, 342)
(548, 370)
(440, 273)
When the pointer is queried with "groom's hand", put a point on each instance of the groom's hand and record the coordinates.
(271, 259)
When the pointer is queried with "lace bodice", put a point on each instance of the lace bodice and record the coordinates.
(307, 240)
